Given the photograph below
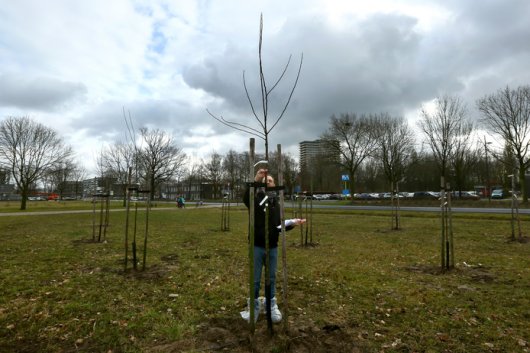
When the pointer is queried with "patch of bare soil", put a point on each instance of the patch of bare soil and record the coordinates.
(170, 258)
(154, 272)
(429, 269)
(522, 240)
(233, 335)
(88, 241)
(477, 273)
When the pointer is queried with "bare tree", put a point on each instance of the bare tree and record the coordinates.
(115, 161)
(264, 129)
(78, 175)
(447, 130)
(290, 171)
(463, 160)
(214, 171)
(232, 169)
(507, 115)
(395, 145)
(352, 137)
(395, 148)
(448, 133)
(29, 149)
(160, 159)
(60, 175)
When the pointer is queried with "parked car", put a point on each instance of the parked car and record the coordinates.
(425, 195)
(336, 197)
(465, 195)
(498, 194)
(388, 195)
(36, 198)
(364, 196)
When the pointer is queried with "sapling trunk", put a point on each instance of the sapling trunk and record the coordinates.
(301, 214)
(135, 259)
(310, 226)
(227, 215)
(284, 245)
(442, 209)
(107, 216)
(147, 209)
(94, 218)
(398, 210)
(100, 218)
(450, 212)
(309, 221)
(267, 264)
(127, 208)
(251, 215)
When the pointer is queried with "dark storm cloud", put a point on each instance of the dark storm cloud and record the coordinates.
(222, 75)
(38, 93)
(372, 66)
(384, 63)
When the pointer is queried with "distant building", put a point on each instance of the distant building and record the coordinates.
(310, 150)
(7, 191)
(93, 186)
(319, 167)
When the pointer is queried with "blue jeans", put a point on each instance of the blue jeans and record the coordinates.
(259, 263)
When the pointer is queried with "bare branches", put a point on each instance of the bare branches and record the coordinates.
(352, 137)
(263, 119)
(395, 145)
(160, 158)
(247, 129)
(443, 127)
(250, 102)
(30, 150)
(507, 114)
(292, 92)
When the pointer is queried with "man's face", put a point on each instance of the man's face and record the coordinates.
(270, 181)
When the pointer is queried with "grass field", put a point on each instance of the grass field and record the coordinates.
(359, 288)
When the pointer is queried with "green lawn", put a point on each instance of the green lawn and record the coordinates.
(360, 288)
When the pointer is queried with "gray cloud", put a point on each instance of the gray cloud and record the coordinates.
(366, 63)
(383, 63)
(373, 66)
(177, 117)
(40, 93)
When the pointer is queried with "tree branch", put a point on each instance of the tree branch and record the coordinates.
(240, 127)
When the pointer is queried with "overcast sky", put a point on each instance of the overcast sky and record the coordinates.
(74, 65)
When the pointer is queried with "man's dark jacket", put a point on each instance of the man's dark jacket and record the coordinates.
(259, 218)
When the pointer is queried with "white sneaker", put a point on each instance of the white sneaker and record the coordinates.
(262, 307)
(276, 314)
(246, 313)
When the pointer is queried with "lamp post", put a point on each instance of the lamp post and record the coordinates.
(488, 187)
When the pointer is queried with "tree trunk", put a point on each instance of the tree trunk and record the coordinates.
(522, 181)
(352, 185)
(23, 201)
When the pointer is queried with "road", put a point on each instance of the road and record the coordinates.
(318, 205)
(45, 213)
(490, 210)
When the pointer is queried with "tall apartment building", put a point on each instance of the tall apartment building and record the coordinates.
(310, 150)
(319, 169)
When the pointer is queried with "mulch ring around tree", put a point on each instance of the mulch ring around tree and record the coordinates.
(233, 335)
